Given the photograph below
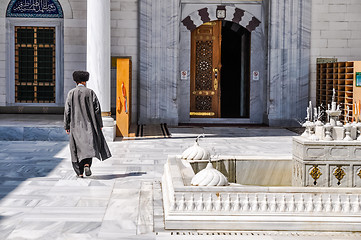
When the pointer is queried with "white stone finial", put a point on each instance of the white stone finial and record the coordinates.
(196, 152)
(209, 177)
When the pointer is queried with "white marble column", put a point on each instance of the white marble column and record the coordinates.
(288, 61)
(98, 58)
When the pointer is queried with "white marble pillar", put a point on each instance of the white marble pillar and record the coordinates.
(98, 58)
(288, 61)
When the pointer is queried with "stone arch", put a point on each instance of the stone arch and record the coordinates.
(34, 9)
(233, 14)
(67, 9)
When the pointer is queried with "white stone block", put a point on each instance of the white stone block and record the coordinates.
(2, 99)
(333, 34)
(129, 6)
(114, 6)
(331, 17)
(355, 35)
(79, 14)
(74, 23)
(337, 2)
(353, 17)
(127, 24)
(354, 7)
(339, 25)
(320, 132)
(337, 43)
(337, 8)
(354, 43)
(353, 132)
(338, 133)
(335, 51)
(317, 43)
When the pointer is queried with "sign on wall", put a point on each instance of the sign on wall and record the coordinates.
(358, 79)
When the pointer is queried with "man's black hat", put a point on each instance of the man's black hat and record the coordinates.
(80, 76)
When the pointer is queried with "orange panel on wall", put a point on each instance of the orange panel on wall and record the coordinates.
(124, 86)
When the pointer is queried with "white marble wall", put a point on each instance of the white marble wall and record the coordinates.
(74, 41)
(3, 84)
(288, 66)
(335, 33)
(159, 31)
(124, 43)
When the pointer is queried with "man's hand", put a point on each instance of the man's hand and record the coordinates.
(67, 131)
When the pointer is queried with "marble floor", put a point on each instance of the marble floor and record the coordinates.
(40, 197)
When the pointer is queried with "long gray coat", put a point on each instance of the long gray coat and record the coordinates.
(82, 116)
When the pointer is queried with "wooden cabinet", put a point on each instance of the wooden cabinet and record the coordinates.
(340, 76)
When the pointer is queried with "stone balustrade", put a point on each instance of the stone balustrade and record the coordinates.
(246, 207)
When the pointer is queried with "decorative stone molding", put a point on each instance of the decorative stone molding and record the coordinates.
(34, 9)
(207, 14)
(326, 163)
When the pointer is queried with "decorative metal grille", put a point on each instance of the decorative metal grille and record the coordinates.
(203, 103)
(204, 58)
(35, 64)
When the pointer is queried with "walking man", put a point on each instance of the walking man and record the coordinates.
(83, 123)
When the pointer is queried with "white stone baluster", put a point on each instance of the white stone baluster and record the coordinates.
(210, 203)
(255, 205)
(237, 204)
(283, 205)
(292, 205)
(319, 204)
(200, 204)
(182, 203)
(328, 204)
(356, 204)
(301, 204)
(337, 205)
(219, 203)
(227, 203)
(347, 205)
(191, 206)
(246, 205)
(264, 204)
(273, 205)
(310, 204)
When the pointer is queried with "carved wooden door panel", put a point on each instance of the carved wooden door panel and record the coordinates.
(205, 71)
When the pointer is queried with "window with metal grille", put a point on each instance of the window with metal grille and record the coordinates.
(35, 64)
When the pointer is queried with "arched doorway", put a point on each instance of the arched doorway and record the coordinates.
(220, 70)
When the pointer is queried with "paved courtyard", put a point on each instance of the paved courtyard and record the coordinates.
(40, 197)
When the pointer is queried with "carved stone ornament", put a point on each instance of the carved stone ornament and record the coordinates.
(315, 173)
(209, 177)
(196, 153)
(339, 173)
(359, 172)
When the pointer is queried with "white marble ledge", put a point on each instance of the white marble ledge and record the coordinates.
(307, 141)
(178, 185)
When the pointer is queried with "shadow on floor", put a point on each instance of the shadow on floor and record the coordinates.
(114, 176)
(21, 161)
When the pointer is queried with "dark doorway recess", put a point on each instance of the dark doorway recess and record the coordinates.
(235, 73)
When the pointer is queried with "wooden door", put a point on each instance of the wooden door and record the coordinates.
(205, 70)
